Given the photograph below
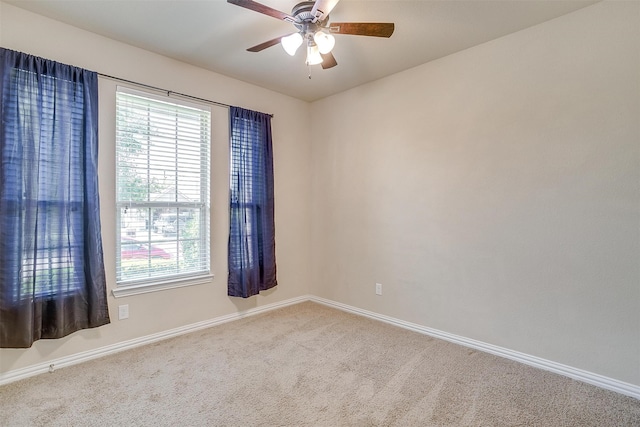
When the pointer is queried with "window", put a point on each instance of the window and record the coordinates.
(52, 279)
(246, 190)
(50, 264)
(162, 189)
(252, 263)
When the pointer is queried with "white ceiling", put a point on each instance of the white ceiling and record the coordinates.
(214, 34)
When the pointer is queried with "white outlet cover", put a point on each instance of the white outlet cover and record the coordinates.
(123, 311)
(378, 289)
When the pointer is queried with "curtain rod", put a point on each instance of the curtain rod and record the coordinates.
(168, 92)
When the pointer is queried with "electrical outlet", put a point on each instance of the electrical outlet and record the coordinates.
(123, 312)
(378, 288)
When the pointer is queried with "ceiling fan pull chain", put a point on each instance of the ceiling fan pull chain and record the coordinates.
(309, 70)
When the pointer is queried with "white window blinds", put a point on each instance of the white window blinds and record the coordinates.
(162, 190)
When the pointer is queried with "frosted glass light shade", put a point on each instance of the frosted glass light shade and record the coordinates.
(291, 43)
(324, 41)
(313, 55)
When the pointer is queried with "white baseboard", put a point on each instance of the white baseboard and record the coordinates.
(51, 365)
(558, 368)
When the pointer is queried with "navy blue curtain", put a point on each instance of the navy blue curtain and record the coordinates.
(252, 258)
(52, 280)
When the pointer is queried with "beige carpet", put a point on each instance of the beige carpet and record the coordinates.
(308, 365)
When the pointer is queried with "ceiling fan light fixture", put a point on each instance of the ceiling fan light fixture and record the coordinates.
(313, 55)
(291, 43)
(325, 41)
(311, 20)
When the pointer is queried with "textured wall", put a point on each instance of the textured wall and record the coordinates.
(494, 192)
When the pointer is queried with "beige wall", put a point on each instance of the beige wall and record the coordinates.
(494, 192)
(161, 311)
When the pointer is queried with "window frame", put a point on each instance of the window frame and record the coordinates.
(126, 287)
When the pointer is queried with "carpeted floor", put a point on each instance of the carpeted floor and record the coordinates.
(308, 365)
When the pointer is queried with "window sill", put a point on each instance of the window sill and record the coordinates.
(125, 291)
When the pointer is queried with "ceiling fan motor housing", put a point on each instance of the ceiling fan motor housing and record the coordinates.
(304, 19)
(302, 11)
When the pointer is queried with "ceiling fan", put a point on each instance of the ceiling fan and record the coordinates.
(311, 19)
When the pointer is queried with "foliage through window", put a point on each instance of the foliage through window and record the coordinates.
(162, 190)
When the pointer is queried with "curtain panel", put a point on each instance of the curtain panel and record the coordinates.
(252, 259)
(52, 279)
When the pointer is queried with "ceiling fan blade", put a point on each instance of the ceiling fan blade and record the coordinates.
(263, 46)
(328, 60)
(376, 29)
(322, 9)
(261, 8)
